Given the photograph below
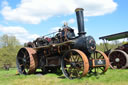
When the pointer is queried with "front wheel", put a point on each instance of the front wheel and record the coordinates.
(99, 62)
(74, 64)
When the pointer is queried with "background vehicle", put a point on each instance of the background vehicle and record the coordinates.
(119, 56)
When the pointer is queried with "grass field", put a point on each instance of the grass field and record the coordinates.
(111, 77)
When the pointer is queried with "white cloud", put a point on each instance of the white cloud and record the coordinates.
(33, 11)
(12, 30)
(71, 21)
(75, 30)
(54, 29)
(21, 33)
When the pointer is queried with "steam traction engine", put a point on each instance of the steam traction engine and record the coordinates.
(118, 57)
(76, 55)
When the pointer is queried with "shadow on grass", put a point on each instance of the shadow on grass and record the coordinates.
(45, 73)
(62, 77)
(97, 76)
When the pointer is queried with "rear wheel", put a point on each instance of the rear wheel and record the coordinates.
(26, 61)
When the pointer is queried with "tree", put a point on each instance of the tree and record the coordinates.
(8, 51)
(9, 41)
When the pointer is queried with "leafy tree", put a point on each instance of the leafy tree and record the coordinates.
(9, 41)
(8, 51)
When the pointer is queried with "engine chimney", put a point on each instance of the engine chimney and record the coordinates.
(80, 21)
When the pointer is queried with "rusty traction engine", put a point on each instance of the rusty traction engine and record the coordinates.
(76, 55)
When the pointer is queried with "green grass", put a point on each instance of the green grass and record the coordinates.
(111, 77)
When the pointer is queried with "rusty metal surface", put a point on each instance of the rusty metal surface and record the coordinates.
(26, 60)
(85, 59)
(33, 60)
(54, 45)
(54, 61)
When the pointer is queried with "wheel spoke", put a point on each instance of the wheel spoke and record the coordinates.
(100, 57)
(95, 70)
(21, 65)
(96, 56)
(78, 74)
(73, 58)
(77, 60)
(19, 58)
(66, 60)
(101, 68)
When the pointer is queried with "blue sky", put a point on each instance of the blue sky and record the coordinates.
(28, 19)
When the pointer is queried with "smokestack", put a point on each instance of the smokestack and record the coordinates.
(80, 21)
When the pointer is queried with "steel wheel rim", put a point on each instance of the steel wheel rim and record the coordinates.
(100, 69)
(26, 61)
(118, 54)
(75, 65)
